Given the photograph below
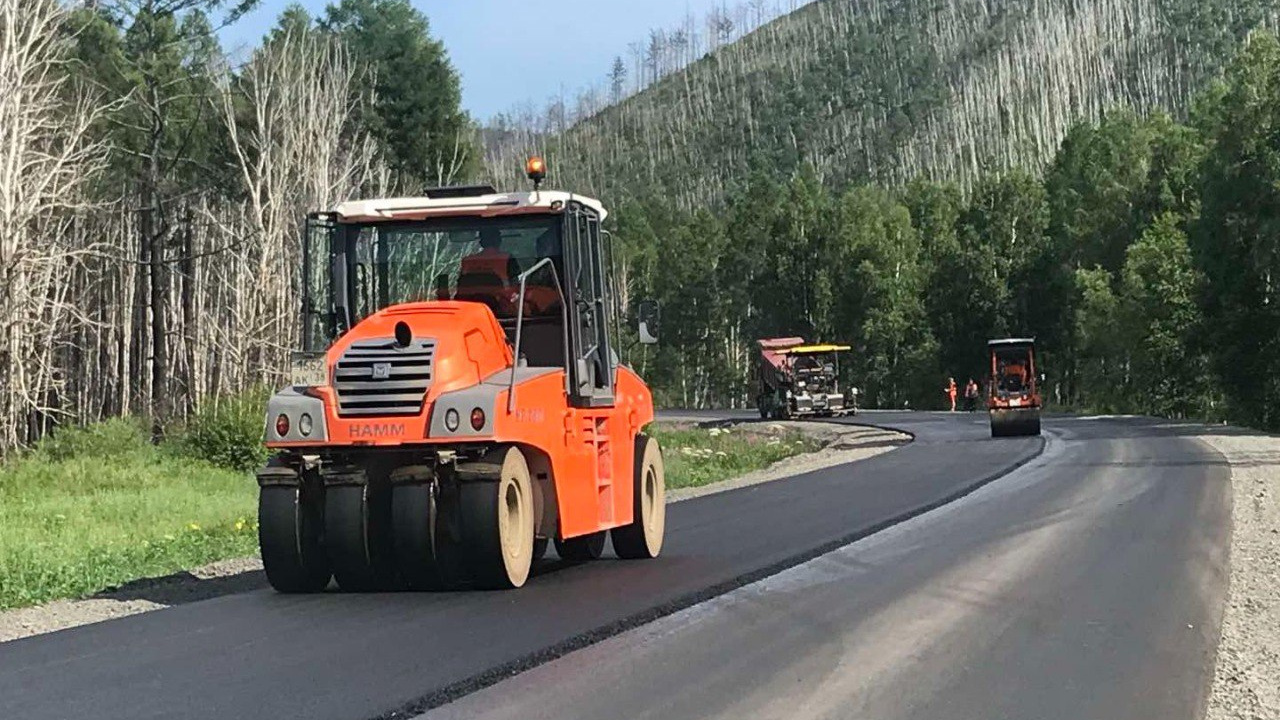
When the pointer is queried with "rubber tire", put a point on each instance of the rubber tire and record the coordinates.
(999, 429)
(497, 524)
(1024, 424)
(291, 538)
(1032, 426)
(583, 547)
(427, 557)
(642, 538)
(358, 538)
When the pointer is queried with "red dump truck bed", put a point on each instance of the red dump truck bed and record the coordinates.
(769, 348)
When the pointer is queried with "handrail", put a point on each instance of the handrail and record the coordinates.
(564, 320)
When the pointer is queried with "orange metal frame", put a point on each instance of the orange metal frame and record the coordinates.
(590, 451)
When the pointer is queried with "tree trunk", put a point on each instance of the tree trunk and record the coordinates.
(153, 234)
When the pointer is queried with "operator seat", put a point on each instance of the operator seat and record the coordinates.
(485, 288)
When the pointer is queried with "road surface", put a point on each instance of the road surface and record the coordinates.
(1087, 583)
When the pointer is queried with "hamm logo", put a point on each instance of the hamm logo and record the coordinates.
(370, 431)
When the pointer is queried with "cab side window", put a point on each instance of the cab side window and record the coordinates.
(592, 369)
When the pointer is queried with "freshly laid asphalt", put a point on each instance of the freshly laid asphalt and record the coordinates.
(1087, 583)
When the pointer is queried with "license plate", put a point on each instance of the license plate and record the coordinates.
(1015, 402)
(307, 370)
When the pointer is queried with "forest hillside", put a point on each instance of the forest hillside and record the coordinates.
(887, 91)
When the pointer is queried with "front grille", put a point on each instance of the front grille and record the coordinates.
(376, 377)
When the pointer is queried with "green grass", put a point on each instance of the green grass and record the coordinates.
(90, 508)
(696, 456)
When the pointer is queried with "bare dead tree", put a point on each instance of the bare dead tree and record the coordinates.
(296, 151)
(46, 155)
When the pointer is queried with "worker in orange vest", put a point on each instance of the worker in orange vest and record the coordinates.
(951, 392)
(487, 275)
(491, 259)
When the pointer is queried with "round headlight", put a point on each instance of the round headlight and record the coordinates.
(477, 419)
(305, 425)
(282, 425)
(451, 420)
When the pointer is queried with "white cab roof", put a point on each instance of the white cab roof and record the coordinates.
(412, 208)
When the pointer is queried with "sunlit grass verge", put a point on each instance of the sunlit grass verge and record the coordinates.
(698, 456)
(90, 508)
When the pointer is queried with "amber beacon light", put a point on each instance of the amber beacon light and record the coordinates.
(536, 169)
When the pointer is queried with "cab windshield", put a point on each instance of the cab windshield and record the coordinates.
(815, 364)
(475, 259)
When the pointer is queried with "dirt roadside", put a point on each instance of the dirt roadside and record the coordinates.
(1246, 683)
(841, 444)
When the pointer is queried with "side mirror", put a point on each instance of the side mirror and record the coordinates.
(647, 319)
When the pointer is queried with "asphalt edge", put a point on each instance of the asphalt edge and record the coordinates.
(497, 674)
(845, 420)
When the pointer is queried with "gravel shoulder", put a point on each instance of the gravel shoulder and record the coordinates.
(841, 444)
(1246, 682)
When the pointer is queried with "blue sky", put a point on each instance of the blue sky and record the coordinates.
(512, 51)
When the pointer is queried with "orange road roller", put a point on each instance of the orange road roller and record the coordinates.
(1013, 398)
(458, 402)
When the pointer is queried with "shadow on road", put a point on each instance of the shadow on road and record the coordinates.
(184, 587)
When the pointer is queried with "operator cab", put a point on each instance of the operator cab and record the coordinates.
(475, 245)
(1012, 366)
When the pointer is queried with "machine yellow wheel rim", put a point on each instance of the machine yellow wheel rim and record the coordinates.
(515, 518)
(653, 502)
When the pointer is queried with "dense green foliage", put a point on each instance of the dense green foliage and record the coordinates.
(1144, 260)
(226, 432)
(1236, 240)
(416, 91)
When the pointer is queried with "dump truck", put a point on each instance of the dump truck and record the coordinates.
(796, 379)
(1013, 397)
(458, 402)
